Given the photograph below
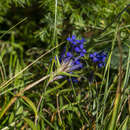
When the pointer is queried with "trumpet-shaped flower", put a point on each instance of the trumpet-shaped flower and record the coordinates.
(98, 58)
(71, 60)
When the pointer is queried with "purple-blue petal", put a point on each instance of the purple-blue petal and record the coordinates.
(91, 56)
(81, 54)
(77, 62)
(83, 40)
(68, 39)
(75, 80)
(95, 59)
(84, 51)
(100, 65)
(77, 49)
(95, 54)
(75, 67)
(73, 42)
(81, 46)
(69, 54)
(73, 37)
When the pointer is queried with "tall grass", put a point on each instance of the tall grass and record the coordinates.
(30, 99)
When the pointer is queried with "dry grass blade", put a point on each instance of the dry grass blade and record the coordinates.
(21, 92)
(118, 91)
(5, 84)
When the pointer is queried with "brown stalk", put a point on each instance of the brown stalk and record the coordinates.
(118, 91)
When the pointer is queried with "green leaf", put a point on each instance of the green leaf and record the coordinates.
(55, 88)
(11, 118)
(20, 110)
(115, 57)
(125, 124)
(30, 123)
(125, 127)
(68, 74)
(31, 104)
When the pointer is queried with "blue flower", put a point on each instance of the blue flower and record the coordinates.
(98, 58)
(77, 45)
(77, 49)
(72, 40)
(69, 54)
(101, 64)
(94, 57)
(71, 60)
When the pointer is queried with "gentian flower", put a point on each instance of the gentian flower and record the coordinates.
(71, 60)
(72, 40)
(98, 58)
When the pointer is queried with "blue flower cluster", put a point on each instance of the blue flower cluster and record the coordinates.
(72, 58)
(77, 45)
(99, 58)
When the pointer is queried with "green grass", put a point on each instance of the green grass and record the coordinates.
(30, 99)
